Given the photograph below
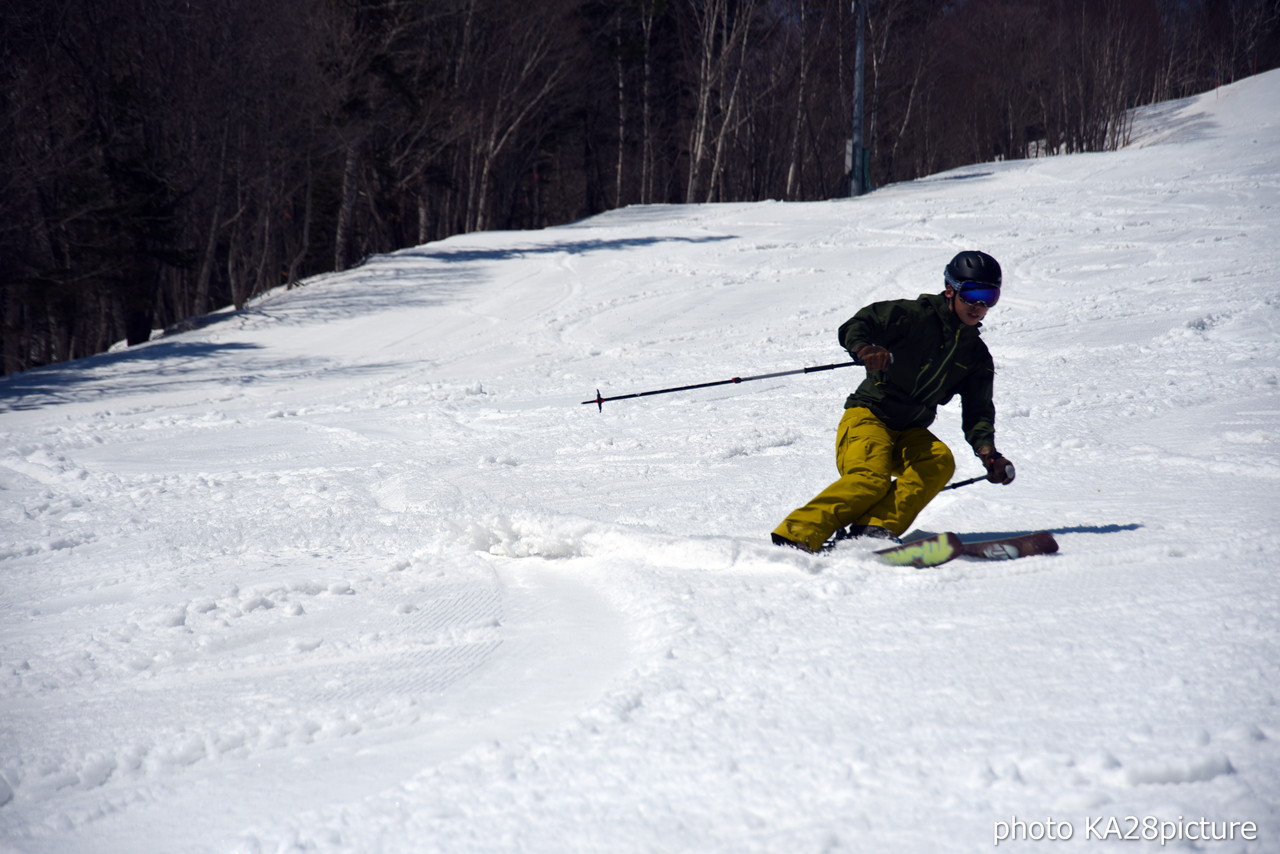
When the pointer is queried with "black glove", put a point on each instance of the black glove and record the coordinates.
(999, 470)
(873, 357)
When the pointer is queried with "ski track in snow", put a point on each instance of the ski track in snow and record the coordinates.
(354, 570)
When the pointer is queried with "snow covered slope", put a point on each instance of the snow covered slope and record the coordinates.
(355, 571)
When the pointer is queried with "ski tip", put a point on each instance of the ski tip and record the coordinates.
(930, 551)
(1047, 544)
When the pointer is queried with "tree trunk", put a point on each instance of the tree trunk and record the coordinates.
(346, 209)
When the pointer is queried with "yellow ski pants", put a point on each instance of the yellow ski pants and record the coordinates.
(869, 456)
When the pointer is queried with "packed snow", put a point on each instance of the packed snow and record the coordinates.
(355, 570)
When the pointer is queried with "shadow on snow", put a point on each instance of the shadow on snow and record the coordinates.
(380, 283)
(919, 534)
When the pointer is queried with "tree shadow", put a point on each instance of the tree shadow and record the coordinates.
(153, 366)
(401, 280)
(964, 176)
(571, 247)
(1171, 122)
(158, 366)
(397, 281)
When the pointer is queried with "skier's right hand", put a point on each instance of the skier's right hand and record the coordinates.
(873, 357)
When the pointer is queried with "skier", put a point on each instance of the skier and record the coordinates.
(918, 354)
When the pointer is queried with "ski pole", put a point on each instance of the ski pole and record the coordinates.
(600, 401)
(961, 483)
(1008, 470)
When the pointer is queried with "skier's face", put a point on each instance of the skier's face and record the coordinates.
(970, 314)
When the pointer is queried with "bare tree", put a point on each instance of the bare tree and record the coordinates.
(160, 158)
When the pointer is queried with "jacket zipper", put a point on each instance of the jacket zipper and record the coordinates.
(946, 361)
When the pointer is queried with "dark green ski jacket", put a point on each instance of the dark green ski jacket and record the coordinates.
(935, 357)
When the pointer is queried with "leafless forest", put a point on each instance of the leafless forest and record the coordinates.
(163, 158)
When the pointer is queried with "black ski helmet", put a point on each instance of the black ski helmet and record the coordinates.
(972, 266)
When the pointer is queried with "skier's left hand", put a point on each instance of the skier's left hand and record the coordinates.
(999, 470)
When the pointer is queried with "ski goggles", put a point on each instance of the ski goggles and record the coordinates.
(976, 293)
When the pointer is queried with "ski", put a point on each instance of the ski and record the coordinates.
(930, 551)
(940, 548)
(1007, 548)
